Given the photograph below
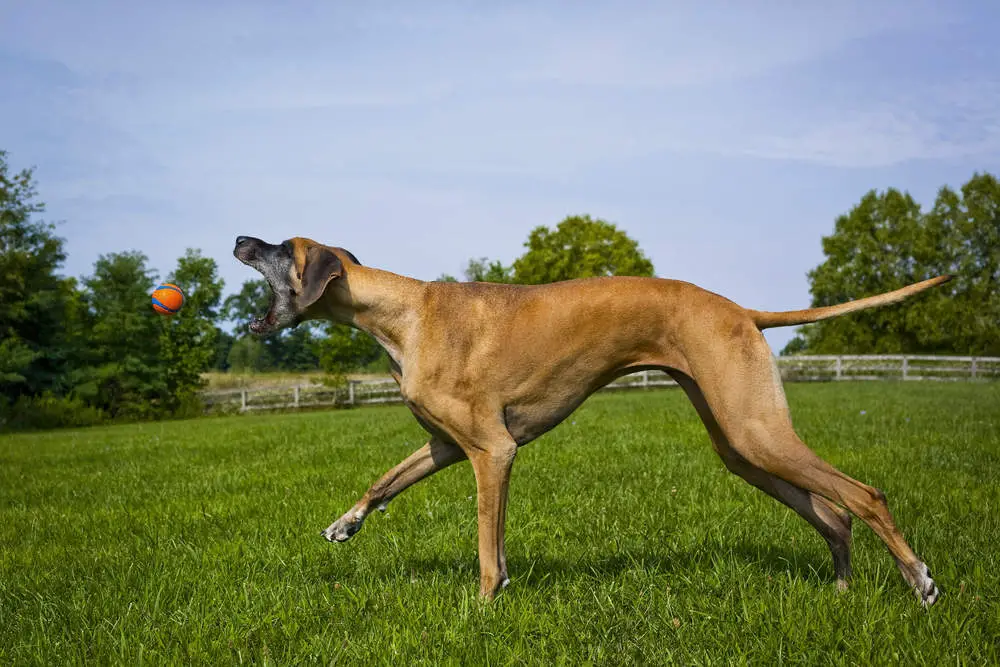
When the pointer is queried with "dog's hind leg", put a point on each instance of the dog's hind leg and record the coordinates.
(831, 521)
(799, 466)
(743, 391)
(435, 455)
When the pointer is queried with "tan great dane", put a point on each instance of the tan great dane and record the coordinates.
(486, 368)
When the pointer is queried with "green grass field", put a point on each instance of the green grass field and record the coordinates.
(627, 542)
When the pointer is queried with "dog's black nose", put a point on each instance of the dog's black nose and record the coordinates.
(246, 247)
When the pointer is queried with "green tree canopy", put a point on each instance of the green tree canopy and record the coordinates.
(124, 373)
(579, 247)
(345, 348)
(36, 304)
(223, 345)
(248, 355)
(483, 270)
(886, 242)
(970, 227)
(295, 349)
(188, 339)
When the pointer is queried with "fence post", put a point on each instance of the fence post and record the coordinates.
(645, 378)
(350, 392)
(839, 367)
(243, 399)
(296, 396)
(973, 368)
(906, 367)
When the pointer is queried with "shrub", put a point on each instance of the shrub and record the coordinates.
(47, 411)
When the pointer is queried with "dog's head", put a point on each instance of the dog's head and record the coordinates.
(298, 270)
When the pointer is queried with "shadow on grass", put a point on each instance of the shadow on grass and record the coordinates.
(748, 560)
(753, 560)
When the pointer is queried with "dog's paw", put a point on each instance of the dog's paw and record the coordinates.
(919, 577)
(344, 528)
(925, 587)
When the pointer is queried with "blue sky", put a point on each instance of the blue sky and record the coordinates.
(725, 137)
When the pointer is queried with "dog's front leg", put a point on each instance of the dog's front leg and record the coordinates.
(427, 460)
(492, 467)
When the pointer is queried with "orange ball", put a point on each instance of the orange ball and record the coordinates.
(167, 299)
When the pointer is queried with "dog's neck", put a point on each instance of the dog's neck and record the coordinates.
(381, 303)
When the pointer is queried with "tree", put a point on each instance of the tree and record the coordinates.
(870, 251)
(974, 257)
(223, 345)
(37, 306)
(188, 339)
(345, 348)
(295, 349)
(124, 369)
(886, 242)
(483, 270)
(248, 355)
(579, 247)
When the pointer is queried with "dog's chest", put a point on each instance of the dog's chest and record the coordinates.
(525, 422)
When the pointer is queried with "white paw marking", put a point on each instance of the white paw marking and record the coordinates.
(925, 587)
(344, 528)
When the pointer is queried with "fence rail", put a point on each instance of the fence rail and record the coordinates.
(805, 368)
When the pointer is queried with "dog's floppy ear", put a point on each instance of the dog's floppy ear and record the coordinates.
(320, 267)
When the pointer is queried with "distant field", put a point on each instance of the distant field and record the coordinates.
(627, 541)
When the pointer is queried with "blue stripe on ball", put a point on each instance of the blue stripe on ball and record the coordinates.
(156, 302)
(169, 287)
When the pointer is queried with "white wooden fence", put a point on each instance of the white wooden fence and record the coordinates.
(793, 369)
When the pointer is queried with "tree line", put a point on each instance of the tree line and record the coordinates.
(81, 351)
(887, 241)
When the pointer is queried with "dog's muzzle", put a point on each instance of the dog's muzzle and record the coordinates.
(246, 249)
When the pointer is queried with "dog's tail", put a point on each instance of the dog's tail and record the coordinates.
(765, 320)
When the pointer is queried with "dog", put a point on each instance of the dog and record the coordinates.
(487, 368)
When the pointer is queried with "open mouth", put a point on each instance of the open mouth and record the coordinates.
(261, 325)
(271, 320)
(273, 263)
